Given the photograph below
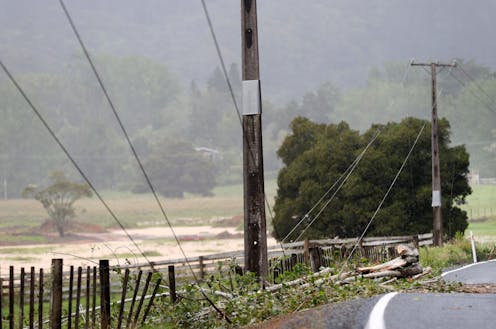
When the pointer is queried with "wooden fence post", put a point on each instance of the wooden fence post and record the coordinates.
(31, 298)
(306, 252)
(143, 295)
(202, 267)
(1, 299)
(93, 304)
(71, 285)
(11, 297)
(133, 300)
(415, 241)
(150, 303)
(21, 298)
(123, 298)
(56, 295)
(105, 294)
(88, 290)
(78, 297)
(40, 300)
(293, 261)
(172, 284)
(315, 258)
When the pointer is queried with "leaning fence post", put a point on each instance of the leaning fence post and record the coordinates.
(105, 294)
(123, 298)
(142, 299)
(150, 303)
(78, 297)
(172, 284)
(306, 252)
(56, 296)
(202, 269)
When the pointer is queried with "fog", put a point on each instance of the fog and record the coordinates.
(328, 60)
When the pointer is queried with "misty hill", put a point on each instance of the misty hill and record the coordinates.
(325, 60)
(303, 43)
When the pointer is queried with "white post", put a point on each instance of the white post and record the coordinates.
(472, 243)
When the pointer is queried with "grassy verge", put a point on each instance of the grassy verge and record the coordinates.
(455, 253)
(249, 304)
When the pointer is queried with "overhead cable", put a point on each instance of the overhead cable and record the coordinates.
(133, 150)
(385, 195)
(69, 156)
(352, 165)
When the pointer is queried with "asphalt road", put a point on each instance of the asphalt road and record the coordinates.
(408, 310)
(392, 311)
(477, 273)
(453, 311)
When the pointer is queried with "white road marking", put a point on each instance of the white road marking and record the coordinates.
(467, 266)
(376, 318)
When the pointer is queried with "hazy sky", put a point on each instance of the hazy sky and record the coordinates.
(303, 43)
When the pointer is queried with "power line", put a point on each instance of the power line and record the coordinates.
(73, 161)
(335, 192)
(135, 154)
(221, 59)
(491, 109)
(341, 179)
(477, 85)
(389, 189)
(352, 167)
(385, 196)
(249, 150)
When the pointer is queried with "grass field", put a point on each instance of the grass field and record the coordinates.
(481, 210)
(23, 217)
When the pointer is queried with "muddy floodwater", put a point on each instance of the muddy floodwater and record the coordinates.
(157, 243)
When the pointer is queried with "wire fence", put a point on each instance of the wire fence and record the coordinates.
(480, 213)
(83, 297)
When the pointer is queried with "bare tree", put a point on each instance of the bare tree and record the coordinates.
(58, 198)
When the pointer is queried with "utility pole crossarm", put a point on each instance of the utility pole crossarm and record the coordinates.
(436, 175)
(433, 63)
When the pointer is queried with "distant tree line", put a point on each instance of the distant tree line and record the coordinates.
(162, 112)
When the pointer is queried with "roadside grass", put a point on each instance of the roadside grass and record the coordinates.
(454, 253)
(248, 304)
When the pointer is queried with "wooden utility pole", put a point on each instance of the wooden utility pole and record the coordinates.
(437, 230)
(253, 176)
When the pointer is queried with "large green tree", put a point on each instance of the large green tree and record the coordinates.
(315, 156)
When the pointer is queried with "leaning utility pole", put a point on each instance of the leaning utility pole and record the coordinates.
(437, 231)
(253, 175)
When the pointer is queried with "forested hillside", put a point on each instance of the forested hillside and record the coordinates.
(328, 61)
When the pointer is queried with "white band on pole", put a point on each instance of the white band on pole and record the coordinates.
(251, 97)
(436, 198)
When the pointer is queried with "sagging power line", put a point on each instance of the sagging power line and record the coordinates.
(135, 154)
(71, 159)
(436, 170)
